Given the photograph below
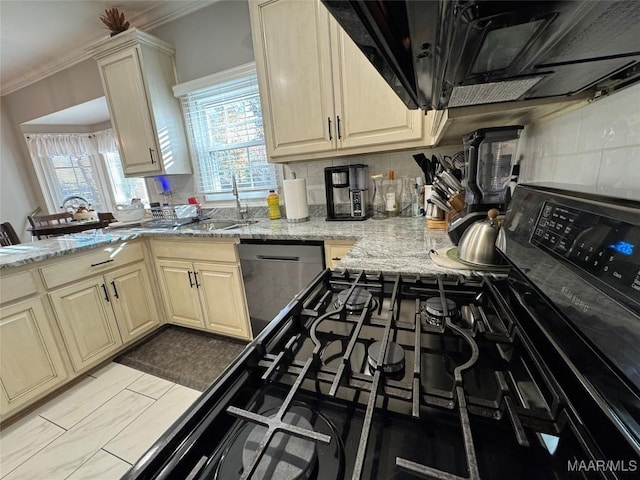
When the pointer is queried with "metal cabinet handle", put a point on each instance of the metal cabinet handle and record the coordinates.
(102, 263)
(329, 122)
(339, 134)
(195, 277)
(190, 281)
(278, 257)
(151, 155)
(336, 258)
(115, 290)
(106, 294)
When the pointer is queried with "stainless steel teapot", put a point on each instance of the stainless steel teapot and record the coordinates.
(477, 245)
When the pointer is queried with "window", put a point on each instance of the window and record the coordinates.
(69, 165)
(226, 133)
(77, 176)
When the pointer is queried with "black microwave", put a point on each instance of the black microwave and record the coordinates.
(454, 53)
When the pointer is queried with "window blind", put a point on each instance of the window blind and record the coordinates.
(226, 133)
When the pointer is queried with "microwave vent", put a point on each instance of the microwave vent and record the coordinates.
(510, 90)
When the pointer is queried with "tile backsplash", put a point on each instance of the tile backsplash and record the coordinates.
(598, 144)
(402, 163)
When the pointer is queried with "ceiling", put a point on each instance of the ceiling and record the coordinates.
(42, 37)
(88, 113)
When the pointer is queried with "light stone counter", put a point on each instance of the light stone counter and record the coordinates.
(398, 245)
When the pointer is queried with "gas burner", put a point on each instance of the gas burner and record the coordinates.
(393, 359)
(333, 352)
(356, 302)
(432, 311)
(287, 457)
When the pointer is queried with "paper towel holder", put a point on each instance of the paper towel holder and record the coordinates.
(295, 199)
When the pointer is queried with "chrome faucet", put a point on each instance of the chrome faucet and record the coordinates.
(240, 212)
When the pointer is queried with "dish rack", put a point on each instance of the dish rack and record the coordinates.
(173, 212)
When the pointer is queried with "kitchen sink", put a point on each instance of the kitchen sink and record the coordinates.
(212, 224)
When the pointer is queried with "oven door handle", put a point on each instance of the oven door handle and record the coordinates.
(281, 258)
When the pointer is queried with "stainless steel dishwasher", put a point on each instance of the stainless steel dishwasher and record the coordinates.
(274, 272)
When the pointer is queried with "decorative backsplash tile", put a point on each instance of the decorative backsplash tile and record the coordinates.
(598, 144)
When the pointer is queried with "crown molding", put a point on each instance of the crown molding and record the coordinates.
(146, 20)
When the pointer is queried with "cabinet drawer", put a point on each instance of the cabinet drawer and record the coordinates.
(19, 285)
(94, 263)
(213, 250)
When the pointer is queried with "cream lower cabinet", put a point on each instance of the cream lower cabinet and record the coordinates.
(320, 96)
(87, 321)
(181, 300)
(98, 314)
(132, 301)
(30, 361)
(201, 284)
(222, 297)
(334, 250)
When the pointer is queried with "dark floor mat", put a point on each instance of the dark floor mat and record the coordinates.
(188, 357)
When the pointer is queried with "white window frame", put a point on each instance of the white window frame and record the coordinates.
(181, 91)
(48, 180)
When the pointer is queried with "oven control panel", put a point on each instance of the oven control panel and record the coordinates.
(605, 248)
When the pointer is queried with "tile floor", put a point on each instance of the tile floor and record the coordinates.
(95, 430)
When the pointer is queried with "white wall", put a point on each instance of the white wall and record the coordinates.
(210, 40)
(17, 198)
(598, 144)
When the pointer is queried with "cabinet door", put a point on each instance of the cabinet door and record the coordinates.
(223, 300)
(291, 45)
(87, 322)
(30, 361)
(335, 250)
(130, 114)
(132, 300)
(179, 293)
(370, 112)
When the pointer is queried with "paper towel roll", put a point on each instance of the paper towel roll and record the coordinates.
(295, 200)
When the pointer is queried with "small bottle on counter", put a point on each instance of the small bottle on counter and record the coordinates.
(273, 204)
(404, 202)
(391, 197)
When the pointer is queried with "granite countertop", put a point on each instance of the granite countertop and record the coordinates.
(398, 245)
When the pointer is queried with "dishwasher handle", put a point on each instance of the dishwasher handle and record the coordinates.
(282, 258)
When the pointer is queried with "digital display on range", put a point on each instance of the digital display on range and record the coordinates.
(625, 248)
(604, 247)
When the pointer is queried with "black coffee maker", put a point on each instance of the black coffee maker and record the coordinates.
(347, 190)
(488, 161)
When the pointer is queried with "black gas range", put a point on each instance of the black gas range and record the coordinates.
(371, 376)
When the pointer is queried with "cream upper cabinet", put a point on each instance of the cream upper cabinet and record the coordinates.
(320, 95)
(293, 58)
(87, 321)
(132, 300)
(138, 72)
(202, 287)
(30, 361)
(368, 111)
